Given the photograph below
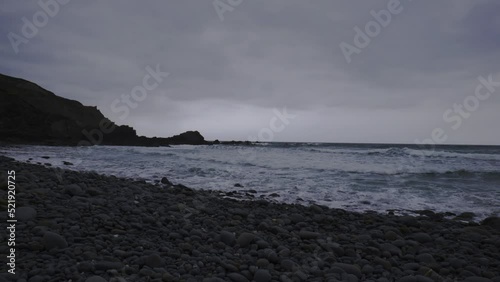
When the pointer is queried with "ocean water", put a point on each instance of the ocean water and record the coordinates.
(357, 177)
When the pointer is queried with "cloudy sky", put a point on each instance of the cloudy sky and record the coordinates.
(231, 62)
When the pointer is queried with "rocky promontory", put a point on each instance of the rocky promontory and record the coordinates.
(30, 114)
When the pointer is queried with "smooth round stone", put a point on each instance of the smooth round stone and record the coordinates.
(457, 263)
(421, 278)
(477, 279)
(421, 237)
(53, 240)
(407, 279)
(227, 238)
(95, 279)
(154, 260)
(426, 258)
(391, 235)
(349, 268)
(367, 269)
(236, 277)
(287, 265)
(308, 235)
(73, 190)
(262, 275)
(245, 239)
(262, 263)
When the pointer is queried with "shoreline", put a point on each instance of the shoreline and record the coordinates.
(81, 224)
(473, 211)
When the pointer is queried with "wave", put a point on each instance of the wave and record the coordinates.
(410, 171)
(464, 173)
(448, 154)
(350, 151)
(405, 151)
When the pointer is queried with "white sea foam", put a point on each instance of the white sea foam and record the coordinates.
(350, 177)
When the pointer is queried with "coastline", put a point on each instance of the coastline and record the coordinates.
(78, 225)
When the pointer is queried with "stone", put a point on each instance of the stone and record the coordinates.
(227, 238)
(85, 266)
(262, 244)
(421, 237)
(213, 279)
(154, 260)
(25, 213)
(425, 258)
(262, 263)
(467, 216)
(53, 240)
(105, 265)
(288, 265)
(36, 278)
(348, 278)
(296, 218)
(95, 279)
(408, 278)
(245, 239)
(391, 235)
(411, 266)
(73, 190)
(308, 235)
(236, 277)
(300, 275)
(284, 278)
(409, 221)
(393, 250)
(167, 277)
(367, 269)
(165, 180)
(477, 279)
(492, 221)
(457, 263)
(349, 268)
(262, 275)
(421, 278)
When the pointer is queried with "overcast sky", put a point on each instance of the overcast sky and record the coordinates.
(229, 68)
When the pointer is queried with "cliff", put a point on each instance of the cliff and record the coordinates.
(30, 114)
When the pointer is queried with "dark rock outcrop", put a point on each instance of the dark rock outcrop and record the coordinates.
(30, 114)
(189, 137)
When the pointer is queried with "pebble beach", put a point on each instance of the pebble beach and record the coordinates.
(83, 226)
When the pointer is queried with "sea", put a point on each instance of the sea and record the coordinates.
(357, 177)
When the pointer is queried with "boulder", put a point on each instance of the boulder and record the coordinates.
(165, 181)
(492, 221)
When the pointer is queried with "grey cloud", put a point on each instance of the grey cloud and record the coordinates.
(268, 54)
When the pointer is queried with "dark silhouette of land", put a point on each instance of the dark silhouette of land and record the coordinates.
(30, 114)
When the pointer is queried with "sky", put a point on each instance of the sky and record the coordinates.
(269, 70)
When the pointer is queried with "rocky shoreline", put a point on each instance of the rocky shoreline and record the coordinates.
(78, 226)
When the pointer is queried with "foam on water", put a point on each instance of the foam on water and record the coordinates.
(350, 176)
